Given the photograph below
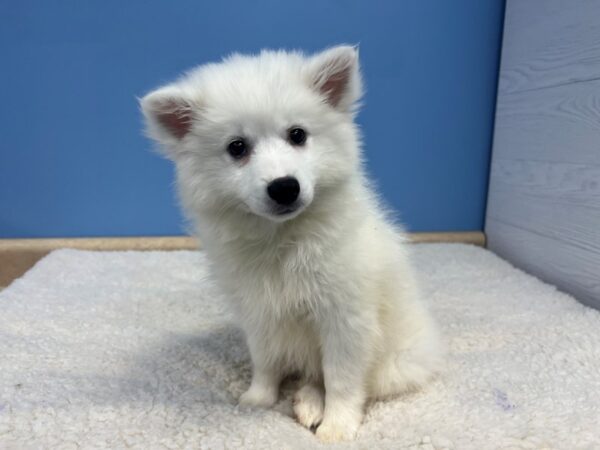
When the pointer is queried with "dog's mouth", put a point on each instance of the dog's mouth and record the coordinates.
(279, 213)
(285, 211)
(282, 213)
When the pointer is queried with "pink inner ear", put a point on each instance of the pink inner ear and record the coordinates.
(335, 86)
(177, 121)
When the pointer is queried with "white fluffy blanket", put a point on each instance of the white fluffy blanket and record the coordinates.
(132, 349)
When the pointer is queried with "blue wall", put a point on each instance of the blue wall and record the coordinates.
(73, 161)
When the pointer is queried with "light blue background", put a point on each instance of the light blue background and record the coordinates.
(74, 162)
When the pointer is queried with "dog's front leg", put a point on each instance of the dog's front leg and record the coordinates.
(266, 375)
(346, 343)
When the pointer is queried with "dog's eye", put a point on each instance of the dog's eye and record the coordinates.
(237, 149)
(297, 136)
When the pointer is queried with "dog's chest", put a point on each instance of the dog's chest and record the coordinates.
(290, 278)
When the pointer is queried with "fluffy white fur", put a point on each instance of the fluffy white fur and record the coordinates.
(326, 291)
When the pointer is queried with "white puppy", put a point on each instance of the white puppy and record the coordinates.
(269, 167)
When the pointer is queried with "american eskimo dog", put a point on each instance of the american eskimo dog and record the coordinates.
(268, 164)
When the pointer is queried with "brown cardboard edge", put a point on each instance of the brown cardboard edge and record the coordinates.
(19, 255)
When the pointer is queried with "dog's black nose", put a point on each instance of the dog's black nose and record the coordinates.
(284, 190)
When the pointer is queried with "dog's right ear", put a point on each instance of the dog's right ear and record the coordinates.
(169, 115)
(335, 74)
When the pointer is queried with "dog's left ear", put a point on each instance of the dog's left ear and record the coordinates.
(335, 74)
(169, 116)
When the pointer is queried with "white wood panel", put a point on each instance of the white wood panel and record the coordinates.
(567, 184)
(549, 42)
(543, 211)
(571, 268)
(559, 201)
(560, 124)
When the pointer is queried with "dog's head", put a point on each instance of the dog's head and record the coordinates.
(264, 133)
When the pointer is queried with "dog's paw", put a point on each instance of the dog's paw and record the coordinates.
(308, 405)
(337, 430)
(258, 397)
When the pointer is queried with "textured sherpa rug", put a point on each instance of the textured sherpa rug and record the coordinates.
(130, 349)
